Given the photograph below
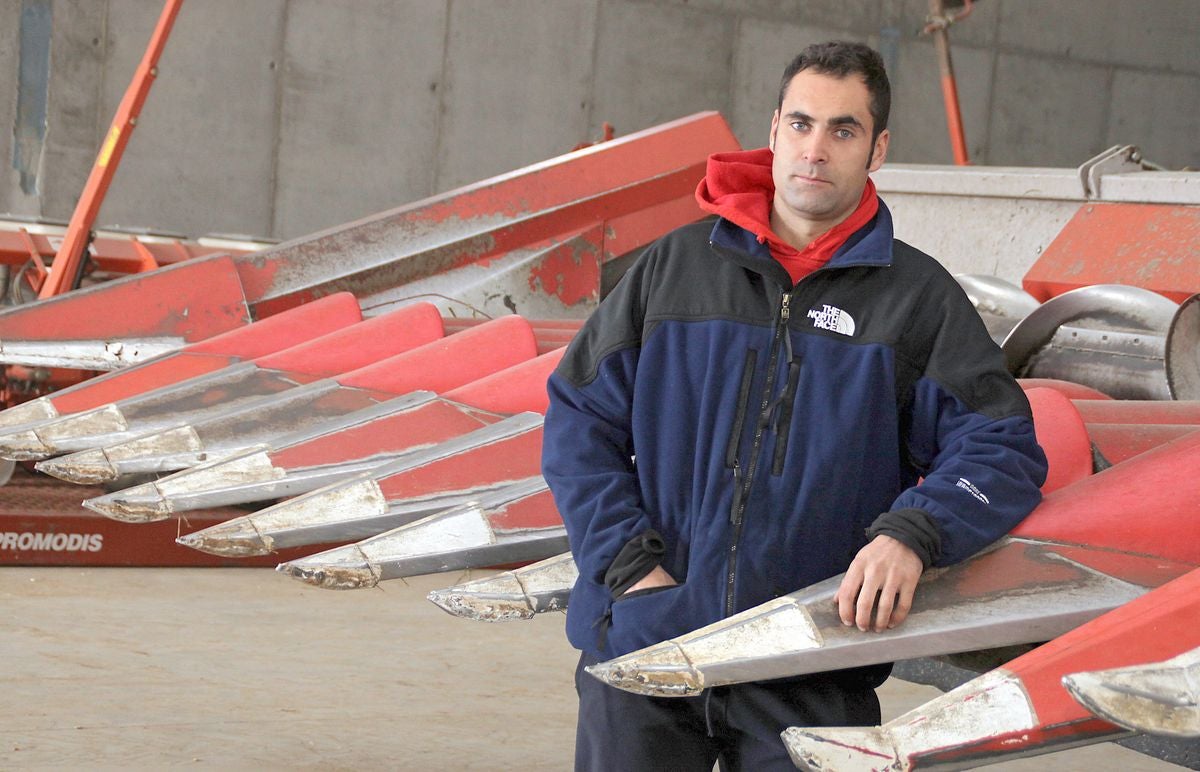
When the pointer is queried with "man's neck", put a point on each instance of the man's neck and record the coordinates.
(800, 233)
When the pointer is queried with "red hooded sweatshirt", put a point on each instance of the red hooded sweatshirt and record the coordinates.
(738, 186)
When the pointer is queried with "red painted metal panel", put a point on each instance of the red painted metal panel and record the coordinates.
(551, 334)
(1139, 411)
(212, 354)
(1062, 435)
(122, 384)
(276, 333)
(505, 461)
(1146, 505)
(42, 524)
(1157, 626)
(562, 195)
(193, 300)
(110, 252)
(1153, 246)
(363, 344)
(518, 389)
(1121, 442)
(424, 426)
(452, 361)
(1072, 390)
(569, 268)
(536, 511)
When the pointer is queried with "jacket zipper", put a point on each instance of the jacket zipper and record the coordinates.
(783, 420)
(742, 482)
(739, 420)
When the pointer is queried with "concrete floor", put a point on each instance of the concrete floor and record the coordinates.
(244, 668)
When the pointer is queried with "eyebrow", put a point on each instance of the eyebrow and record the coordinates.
(841, 120)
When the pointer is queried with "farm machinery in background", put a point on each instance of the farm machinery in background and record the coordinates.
(365, 404)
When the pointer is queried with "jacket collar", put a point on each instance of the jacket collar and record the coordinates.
(870, 245)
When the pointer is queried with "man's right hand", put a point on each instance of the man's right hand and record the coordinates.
(656, 578)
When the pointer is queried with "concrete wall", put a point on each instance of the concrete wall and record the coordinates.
(280, 117)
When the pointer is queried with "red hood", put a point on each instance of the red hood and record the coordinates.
(738, 187)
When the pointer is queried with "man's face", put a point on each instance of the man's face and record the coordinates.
(821, 137)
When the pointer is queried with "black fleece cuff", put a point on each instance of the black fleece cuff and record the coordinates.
(637, 558)
(913, 528)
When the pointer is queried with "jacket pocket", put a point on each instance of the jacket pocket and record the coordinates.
(743, 400)
(642, 592)
(783, 419)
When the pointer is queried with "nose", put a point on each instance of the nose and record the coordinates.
(815, 149)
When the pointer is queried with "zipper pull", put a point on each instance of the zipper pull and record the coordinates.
(785, 312)
(737, 492)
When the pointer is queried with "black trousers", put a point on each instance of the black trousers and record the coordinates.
(738, 725)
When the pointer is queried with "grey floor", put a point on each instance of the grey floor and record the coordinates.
(245, 668)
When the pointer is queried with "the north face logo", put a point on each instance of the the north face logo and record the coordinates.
(832, 318)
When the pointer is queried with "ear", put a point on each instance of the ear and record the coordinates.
(774, 128)
(879, 152)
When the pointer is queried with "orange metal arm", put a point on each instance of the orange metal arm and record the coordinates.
(68, 263)
(937, 26)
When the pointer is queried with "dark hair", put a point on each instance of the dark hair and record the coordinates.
(842, 58)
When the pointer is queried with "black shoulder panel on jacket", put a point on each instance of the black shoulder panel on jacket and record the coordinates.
(666, 278)
(949, 343)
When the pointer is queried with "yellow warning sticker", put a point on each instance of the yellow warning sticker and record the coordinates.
(110, 142)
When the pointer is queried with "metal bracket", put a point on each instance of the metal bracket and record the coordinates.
(1118, 159)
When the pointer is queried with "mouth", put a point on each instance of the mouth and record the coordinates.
(807, 180)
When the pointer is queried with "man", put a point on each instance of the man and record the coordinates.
(766, 402)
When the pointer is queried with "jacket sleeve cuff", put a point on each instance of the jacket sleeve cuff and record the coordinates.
(637, 558)
(913, 528)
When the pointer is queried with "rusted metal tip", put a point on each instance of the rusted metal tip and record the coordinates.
(87, 467)
(1159, 698)
(139, 504)
(843, 748)
(662, 670)
(482, 606)
(24, 446)
(344, 568)
(235, 538)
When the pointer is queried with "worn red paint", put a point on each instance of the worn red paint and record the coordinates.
(487, 466)
(531, 512)
(571, 271)
(1153, 246)
(1143, 505)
